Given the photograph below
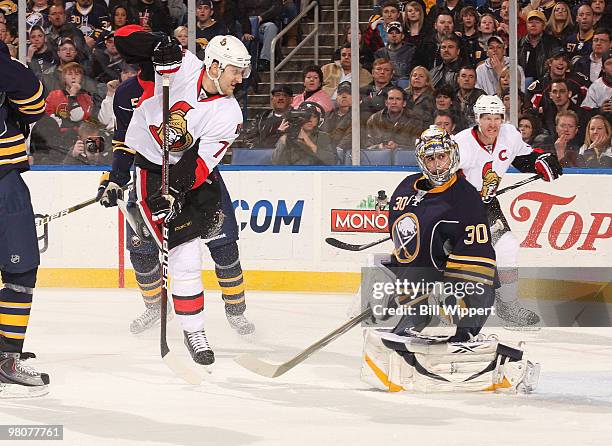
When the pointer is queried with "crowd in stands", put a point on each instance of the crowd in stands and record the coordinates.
(427, 62)
(421, 62)
(70, 47)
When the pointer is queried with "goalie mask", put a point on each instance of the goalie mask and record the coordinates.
(226, 50)
(433, 142)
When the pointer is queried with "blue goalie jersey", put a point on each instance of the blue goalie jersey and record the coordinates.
(441, 232)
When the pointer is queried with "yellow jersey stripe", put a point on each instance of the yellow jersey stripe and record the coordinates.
(472, 268)
(469, 277)
(9, 335)
(125, 149)
(39, 104)
(473, 259)
(35, 97)
(15, 304)
(33, 112)
(234, 301)
(10, 139)
(16, 320)
(13, 150)
(21, 159)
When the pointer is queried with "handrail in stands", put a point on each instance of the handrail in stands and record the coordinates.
(314, 33)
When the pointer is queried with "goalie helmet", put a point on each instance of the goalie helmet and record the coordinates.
(434, 141)
(227, 50)
(489, 104)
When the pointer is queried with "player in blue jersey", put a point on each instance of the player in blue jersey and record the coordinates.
(22, 102)
(444, 271)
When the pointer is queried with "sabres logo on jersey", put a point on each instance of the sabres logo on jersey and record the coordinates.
(490, 182)
(180, 138)
(406, 238)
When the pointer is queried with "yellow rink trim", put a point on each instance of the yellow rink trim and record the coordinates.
(321, 282)
(312, 281)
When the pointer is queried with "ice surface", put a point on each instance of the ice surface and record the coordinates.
(111, 388)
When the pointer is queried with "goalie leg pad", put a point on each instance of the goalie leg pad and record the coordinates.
(483, 365)
(377, 363)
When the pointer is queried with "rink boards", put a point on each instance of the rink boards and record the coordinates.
(285, 216)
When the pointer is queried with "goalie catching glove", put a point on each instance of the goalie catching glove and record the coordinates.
(547, 165)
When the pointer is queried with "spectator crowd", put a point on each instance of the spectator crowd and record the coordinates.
(422, 62)
(427, 62)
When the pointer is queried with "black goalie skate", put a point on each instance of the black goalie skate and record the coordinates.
(17, 380)
(198, 346)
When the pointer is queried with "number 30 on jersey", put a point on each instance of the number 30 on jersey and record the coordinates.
(476, 234)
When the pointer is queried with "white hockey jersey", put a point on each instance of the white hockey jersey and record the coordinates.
(215, 120)
(484, 167)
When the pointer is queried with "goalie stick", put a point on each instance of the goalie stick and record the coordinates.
(263, 368)
(173, 362)
(350, 247)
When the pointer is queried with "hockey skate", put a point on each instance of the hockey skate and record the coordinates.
(516, 316)
(149, 318)
(17, 380)
(240, 323)
(198, 347)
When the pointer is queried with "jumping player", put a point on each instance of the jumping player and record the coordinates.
(439, 227)
(205, 118)
(144, 253)
(487, 151)
(22, 102)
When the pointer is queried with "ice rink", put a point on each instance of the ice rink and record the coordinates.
(109, 387)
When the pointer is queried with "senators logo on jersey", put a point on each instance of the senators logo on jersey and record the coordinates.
(490, 182)
(406, 237)
(179, 136)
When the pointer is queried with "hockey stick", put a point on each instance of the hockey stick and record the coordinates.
(172, 361)
(263, 368)
(47, 218)
(350, 247)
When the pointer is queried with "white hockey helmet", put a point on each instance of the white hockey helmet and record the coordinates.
(432, 141)
(489, 104)
(227, 50)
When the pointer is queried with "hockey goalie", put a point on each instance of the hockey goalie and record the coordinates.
(443, 278)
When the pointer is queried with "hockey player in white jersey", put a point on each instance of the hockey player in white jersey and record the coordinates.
(487, 151)
(205, 119)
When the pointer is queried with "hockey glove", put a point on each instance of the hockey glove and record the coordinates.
(111, 194)
(165, 207)
(167, 56)
(547, 165)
